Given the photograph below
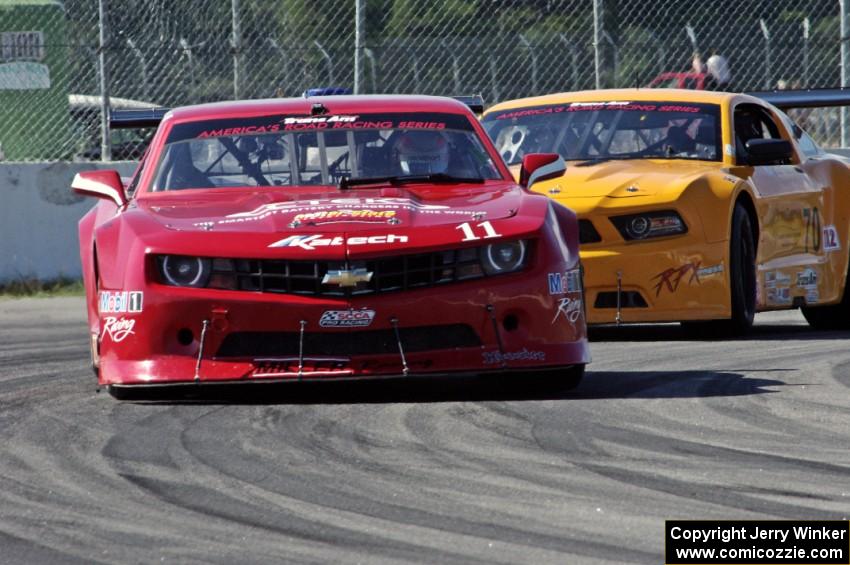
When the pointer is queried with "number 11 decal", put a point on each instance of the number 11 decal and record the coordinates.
(469, 233)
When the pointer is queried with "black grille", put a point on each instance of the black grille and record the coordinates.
(358, 342)
(628, 299)
(587, 233)
(402, 272)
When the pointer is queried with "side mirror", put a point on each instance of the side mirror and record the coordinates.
(537, 167)
(100, 184)
(768, 151)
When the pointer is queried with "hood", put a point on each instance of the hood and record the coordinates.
(623, 179)
(281, 211)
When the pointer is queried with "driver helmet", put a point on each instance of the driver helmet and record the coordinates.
(422, 152)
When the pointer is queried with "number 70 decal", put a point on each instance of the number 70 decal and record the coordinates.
(469, 233)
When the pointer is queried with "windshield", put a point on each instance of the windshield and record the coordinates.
(608, 130)
(278, 150)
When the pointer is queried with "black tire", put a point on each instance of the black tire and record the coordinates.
(742, 282)
(833, 317)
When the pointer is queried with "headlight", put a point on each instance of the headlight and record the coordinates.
(650, 224)
(180, 270)
(503, 257)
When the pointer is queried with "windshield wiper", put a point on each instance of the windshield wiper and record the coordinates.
(439, 178)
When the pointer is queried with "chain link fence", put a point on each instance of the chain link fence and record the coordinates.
(58, 58)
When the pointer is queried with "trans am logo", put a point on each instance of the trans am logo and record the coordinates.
(347, 318)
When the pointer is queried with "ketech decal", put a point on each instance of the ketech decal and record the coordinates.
(118, 329)
(347, 318)
(117, 302)
(672, 277)
(311, 242)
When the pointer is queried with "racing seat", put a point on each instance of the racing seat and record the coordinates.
(182, 172)
(679, 141)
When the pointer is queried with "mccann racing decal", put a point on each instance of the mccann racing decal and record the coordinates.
(118, 329)
(497, 357)
(117, 302)
(561, 283)
(346, 318)
(311, 242)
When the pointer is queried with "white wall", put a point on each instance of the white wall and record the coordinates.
(38, 218)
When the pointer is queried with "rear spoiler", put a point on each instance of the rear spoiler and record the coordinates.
(805, 98)
(474, 101)
(143, 118)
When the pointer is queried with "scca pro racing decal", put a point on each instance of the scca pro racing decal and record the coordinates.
(311, 242)
(118, 302)
(118, 329)
(496, 357)
(347, 318)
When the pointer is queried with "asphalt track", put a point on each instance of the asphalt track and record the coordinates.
(443, 471)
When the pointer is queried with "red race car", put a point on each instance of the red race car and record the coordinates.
(328, 238)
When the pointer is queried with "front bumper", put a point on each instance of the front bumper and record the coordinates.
(507, 323)
(671, 279)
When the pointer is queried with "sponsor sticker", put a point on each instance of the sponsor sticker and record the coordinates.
(774, 279)
(830, 239)
(118, 302)
(569, 308)
(118, 329)
(779, 295)
(346, 318)
(497, 357)
(812, 296)
(336, 216)
(707, 271)
(807, 278)
(311, 242)
(561, 283)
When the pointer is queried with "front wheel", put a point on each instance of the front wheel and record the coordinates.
(742, 282)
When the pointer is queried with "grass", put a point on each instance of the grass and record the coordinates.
(35, 288)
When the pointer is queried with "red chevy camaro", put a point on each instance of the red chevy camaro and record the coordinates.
(328, 238)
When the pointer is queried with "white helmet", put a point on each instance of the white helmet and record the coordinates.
(422, 152)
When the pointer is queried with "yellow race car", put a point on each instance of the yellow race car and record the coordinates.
(693, 206)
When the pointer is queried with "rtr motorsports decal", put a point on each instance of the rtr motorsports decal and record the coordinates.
(347, 318)
(311, 242)
(117, 302)
(118, 328)
(672, 277)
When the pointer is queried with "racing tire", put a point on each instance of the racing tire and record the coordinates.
(742, 282)
(832, 317)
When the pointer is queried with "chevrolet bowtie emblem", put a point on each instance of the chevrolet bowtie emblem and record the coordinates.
(346, 277)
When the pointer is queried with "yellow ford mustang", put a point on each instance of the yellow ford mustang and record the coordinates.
(693, 206)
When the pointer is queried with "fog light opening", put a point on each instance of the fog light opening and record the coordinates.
(185, 336)
(510, 322)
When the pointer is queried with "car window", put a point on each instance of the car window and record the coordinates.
(281, 150)
(609, 130)
(807, 145)
(752, 122)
